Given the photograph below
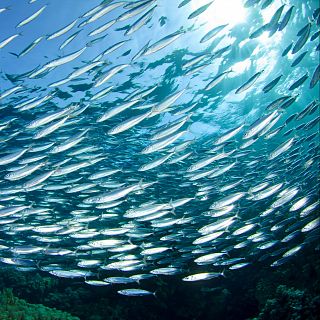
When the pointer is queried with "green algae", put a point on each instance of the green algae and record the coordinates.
(13, 308)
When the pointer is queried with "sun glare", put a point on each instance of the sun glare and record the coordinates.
(266, 40)
(222, 12)
(240, 67)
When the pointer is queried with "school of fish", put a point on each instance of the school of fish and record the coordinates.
(107, 170)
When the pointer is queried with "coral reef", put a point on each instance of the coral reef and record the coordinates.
(289, 292)
(13, 308)
(290, 304)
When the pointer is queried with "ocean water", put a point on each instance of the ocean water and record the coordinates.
(170, 147)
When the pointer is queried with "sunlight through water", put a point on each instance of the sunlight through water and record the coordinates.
(222, 12)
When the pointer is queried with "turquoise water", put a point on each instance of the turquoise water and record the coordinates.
(155, 139)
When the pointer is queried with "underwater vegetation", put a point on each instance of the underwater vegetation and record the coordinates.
(253, 293)
(13, 308)
(290, 304)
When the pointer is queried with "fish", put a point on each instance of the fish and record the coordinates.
(183, 3)
(162, 143)
(258, 32)
(10, 91)
(303, 37)
(68, 40)
(315, 77)
(266, 4)
(315, 36)
(112, 195)
(170, 128)
(200, 10)
(101, 11)
(103, 28)
(311, 225)
(162, 43)
(129, 123)
(299, 82)
(6, 41)
(202, 276)
(298, 59)
(135, 292)
(76, 74)
(206, 161)
(57, 62)
(212, 33)
(274, 21)
(116, 110)
(227, 200)
(101, 94)
(166, 103)
(259, 125)
(48, 117)
(30, 47)
(97, 283)
(230, 134)
(155, 163)
(37, 179)
(216, 80)
(266, 193)
(142, 21)
(34, 103)
(11, 157)
(62, 31)
(128, 153)
(271, 84)
(282, 148)
(251, 3)
(23, 172)
(32, 17)
(286, 18)
(4, 9)
(287, 49)
(249, 83)
(109, 74)
(135, 10)
(195, 60)
(307, 110)
(288, 102)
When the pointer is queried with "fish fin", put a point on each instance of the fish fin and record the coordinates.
(223, 273)
(15, 54)
(47, 247)
(246, 123)
(311, 21)
(141, 184)
(32, 203)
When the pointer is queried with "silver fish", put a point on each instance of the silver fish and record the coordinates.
(249, 83)
(62, 31)
(6, 41)
(31, 18)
